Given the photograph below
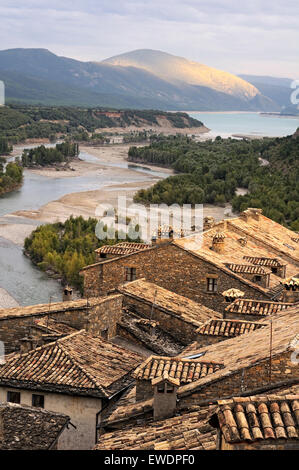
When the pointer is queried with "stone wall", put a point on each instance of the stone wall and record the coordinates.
(96, 316)
(168, 321)
(104, 316)
(144, 390)
(172, 268)
(244, 380)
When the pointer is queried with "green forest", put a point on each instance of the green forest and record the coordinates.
(65, 248)
(211, 172)
(42, 156)
(11, 176)
(5, 147)
(18, 122)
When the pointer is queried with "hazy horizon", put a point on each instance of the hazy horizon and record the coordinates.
(257, 39)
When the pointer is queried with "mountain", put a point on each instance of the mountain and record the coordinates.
(139, 79)
(278, 89)
(180, 71)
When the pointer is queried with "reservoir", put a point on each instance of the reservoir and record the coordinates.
(251, 124)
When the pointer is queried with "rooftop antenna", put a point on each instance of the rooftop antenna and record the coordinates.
(49, 308)
(152, 309)
(271, 346)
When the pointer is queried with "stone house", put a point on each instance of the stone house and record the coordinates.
(27, 428)
(77, 375)
(97, 316)
(240, 366)
(258, 423)
(250, 253)
(184, 370)
(179, 316)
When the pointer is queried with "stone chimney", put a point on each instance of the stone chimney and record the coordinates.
(251, 213)
(291, 290)
(232, 294)
(67, 294)
(208, 222)
(165, 396)
(163, 235)
(218, 244)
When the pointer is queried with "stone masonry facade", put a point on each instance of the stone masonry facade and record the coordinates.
(99, 317)
(249, 379)
(172, 268)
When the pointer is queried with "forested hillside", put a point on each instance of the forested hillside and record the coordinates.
(65, 248)
(18, 123)
(11, 177)
(211, 172)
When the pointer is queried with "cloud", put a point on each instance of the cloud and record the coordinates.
(259, 37)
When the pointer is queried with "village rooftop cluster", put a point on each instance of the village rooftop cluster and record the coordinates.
(174, 346)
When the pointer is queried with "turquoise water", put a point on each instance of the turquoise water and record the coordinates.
(228, 124)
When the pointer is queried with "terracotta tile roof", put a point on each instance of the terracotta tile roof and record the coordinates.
(228, 328)
(51, 326)
(184, 369)
(42, 308)
(291, 282)
(27, 428)
(245, 350)
(270, 233)
(257, 418)
(124, 412)
(271, 262)
(257, 307)
(78, 364)
(123, 248)
(168, 301)
(264, 239)
(187, 432)
(246, 269)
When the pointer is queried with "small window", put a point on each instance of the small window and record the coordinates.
(211, 284)
(257, 278)
(14, 397)
(160, 388)
(169, 388)
(130, 274)
(38, 401)
(274, 270)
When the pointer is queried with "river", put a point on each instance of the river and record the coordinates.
(18, 276)
(26, 283)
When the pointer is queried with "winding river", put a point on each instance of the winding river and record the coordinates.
(18, 276)
(27, 284)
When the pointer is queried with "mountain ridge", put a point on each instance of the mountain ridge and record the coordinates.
(161, 81)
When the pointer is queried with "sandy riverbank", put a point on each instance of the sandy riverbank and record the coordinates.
(85, 203)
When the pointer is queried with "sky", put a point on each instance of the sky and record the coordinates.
(260, 37)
